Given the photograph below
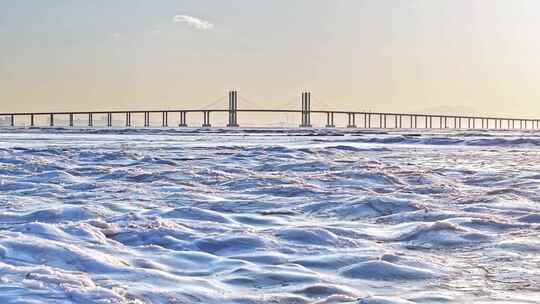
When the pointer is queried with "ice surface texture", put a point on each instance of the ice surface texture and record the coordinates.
(269, 216)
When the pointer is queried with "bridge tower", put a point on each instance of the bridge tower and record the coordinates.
(306, 110)
(233, 109)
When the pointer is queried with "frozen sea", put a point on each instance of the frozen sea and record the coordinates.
(269, 216)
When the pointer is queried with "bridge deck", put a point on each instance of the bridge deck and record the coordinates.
(426, 120)
(392, 114)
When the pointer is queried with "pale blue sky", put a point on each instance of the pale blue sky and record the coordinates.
(361, 54)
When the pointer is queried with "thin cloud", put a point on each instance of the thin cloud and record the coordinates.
(193, 22)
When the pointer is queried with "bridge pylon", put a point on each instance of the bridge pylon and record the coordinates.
(233, 109)
(306, 110)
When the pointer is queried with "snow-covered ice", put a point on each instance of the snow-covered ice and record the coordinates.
(269, 216)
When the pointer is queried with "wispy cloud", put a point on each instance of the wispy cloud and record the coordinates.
(194, 22)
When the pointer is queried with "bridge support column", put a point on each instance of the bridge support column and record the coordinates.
(164, 119)
(352, 120)
(109, 120)
(146, 119)
(128, 119)
(51, 120)
(440, 122)
(400, 121)
(71, 120)
(369, 121)
(445, 122)
(90, 120)
(416, 122)
(306, 110)
(426, 122)
(365, 120)
(12, 120)
(206, 119)
(31, 120)
(233, 109)
(330, 120)
(183, 122)
(395, 121)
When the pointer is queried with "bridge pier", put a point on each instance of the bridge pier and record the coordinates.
(369, 120)
(415, 122)
(164, 119)
(31, 120)
(206, 119)
(71, 120)
(51, 120)
(109, 119)
(233, 109)
(146, 119)
(330, 120)
(90, 120)
(128, 119)
(352, 120)
(365, 121)
(306, 110)
(12, 120)
(183, 122)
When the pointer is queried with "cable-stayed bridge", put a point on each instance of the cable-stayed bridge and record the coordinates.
(354, 119)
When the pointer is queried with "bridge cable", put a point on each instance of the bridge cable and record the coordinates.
(251, 103)
(211, 104)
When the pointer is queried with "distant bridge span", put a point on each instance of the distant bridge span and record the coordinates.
(382, 119)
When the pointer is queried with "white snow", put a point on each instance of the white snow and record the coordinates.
(269, 216)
